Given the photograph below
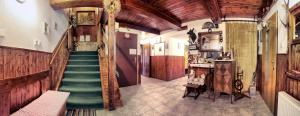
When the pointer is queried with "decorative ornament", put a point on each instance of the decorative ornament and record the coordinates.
(209, 26)
(112, 5)
(192, 35)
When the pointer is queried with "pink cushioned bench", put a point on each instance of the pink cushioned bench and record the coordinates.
(51, 103)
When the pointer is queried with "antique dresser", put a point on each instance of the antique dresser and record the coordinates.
(224, 75)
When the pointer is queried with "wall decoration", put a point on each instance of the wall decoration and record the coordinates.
(86, 18)
(159, 49)
(55, 26)
(46, 28)
(210, 41)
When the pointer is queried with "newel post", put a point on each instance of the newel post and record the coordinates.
(112, 7)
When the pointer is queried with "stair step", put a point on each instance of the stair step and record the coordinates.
(82, 75)
(82, 68)
(73, 89)
(84, 52)
(84, 102)
(79, 80)
(83, 57)
(83, 62)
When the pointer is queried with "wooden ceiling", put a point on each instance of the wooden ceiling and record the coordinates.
(159, 15)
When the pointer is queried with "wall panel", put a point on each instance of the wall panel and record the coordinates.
(167, 67)
(16, 62)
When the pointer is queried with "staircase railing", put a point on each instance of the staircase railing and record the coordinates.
(60, 58)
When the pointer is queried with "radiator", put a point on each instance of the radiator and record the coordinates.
(287, 105)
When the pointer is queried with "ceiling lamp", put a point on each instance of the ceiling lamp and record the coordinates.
(209, 26)
(21, 1)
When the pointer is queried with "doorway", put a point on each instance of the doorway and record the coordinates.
(269, 54)
(127, 59)
(145, 59)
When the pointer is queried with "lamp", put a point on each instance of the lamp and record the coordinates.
(21, 1)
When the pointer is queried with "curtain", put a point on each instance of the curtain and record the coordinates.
(241, 39)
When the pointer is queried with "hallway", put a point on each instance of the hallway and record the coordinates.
(161, 98)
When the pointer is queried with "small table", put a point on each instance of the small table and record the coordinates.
(192, 88)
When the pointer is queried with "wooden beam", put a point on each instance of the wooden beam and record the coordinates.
(214, 10)
(62, 4)
(142, 8)
(123, 23)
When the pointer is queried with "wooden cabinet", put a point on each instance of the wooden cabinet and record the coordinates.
(224, 77)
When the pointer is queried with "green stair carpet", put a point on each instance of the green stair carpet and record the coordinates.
(82, 80)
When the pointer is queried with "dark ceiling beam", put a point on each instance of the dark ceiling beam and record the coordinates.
(126, 24)
(265, 7)
(214, 10)
(141, 7)
(62, 4)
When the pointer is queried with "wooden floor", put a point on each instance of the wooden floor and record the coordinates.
(81, 112)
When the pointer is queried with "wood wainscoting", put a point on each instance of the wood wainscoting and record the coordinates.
(16, 62)
(167, 67)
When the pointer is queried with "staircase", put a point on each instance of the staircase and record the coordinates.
(82, 80)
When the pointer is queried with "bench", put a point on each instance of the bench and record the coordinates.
(51, 103)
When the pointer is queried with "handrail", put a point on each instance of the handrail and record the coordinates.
(8, 84)
(293, 75)
(60, 44)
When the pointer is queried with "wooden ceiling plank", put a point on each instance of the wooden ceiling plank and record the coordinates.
(214, 10)
(143, 8)
(61, 4)
(123, 23)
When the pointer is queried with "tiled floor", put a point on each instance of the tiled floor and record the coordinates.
(160, 98)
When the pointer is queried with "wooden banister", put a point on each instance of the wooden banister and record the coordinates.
(60, 58)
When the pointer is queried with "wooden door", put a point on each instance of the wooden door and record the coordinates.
(127, 59)
(269, 62)
(145, 59)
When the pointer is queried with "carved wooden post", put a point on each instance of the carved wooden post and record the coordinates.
(112, 7)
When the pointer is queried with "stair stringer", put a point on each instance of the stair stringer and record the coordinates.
(117, 102)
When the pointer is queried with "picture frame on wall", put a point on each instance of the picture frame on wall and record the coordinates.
(86, 18)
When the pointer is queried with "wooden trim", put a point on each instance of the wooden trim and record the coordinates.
(16, 48)
(254, 21)
(8, 84)
(214, 32)
(292, 75)
(296, 41)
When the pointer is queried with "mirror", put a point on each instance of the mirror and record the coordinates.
(210, 41)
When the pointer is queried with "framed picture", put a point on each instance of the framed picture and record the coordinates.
(86, 18)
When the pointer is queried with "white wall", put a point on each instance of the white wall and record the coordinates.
(278, 7)
(293, 2)
(23, 24)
